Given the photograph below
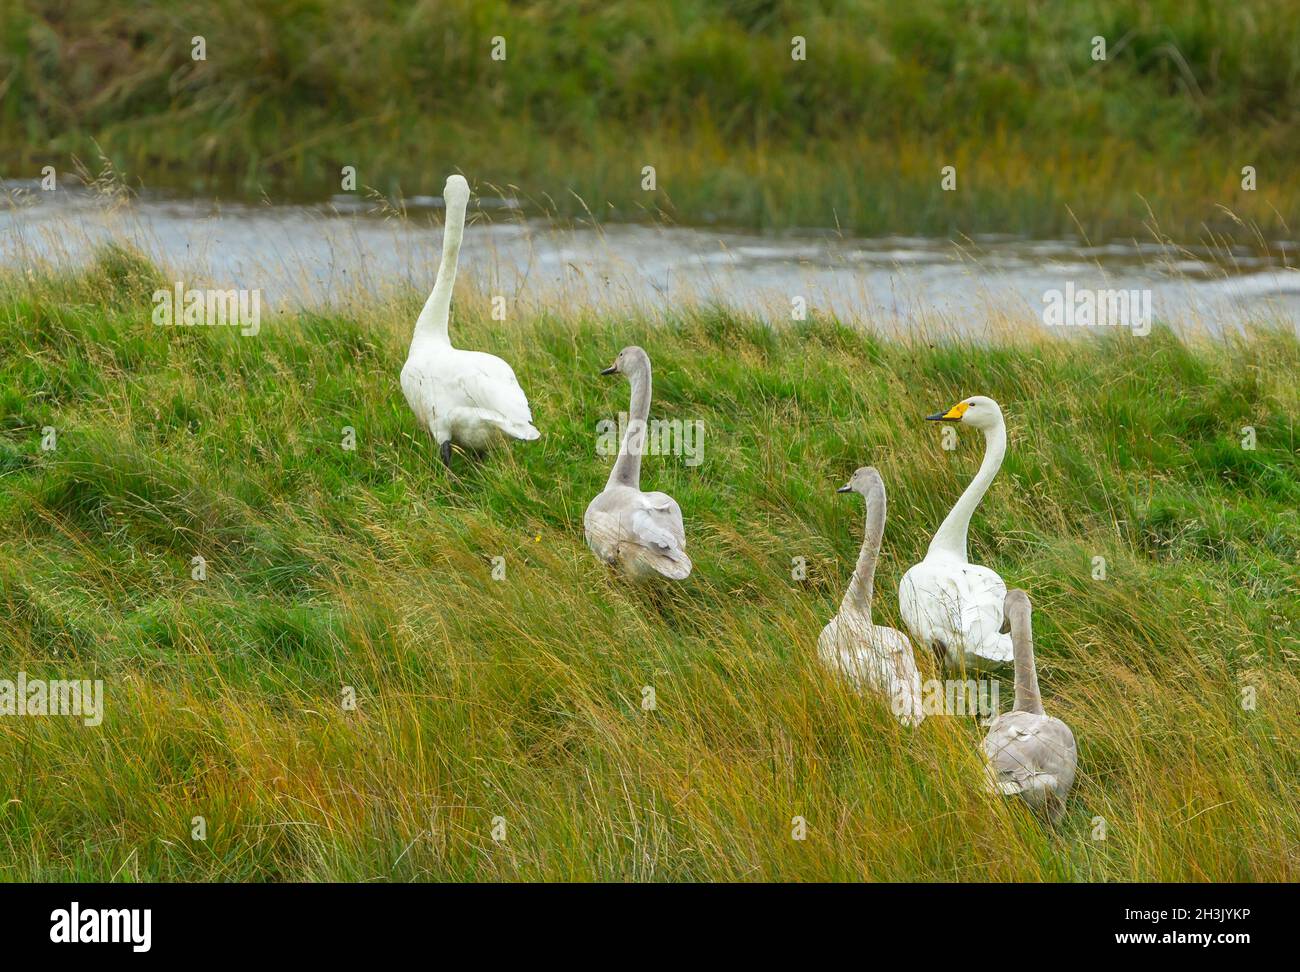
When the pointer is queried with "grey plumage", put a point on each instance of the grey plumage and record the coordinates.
(642, 533)
(1028, 753)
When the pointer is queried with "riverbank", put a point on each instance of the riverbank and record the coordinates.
(1043, 140)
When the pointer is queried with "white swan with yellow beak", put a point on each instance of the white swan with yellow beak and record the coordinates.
(951, 606)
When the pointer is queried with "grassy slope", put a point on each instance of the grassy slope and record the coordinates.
(521, 698)
(1045, 139)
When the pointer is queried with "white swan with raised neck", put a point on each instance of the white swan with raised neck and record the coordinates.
(951, 606)
(465, 398)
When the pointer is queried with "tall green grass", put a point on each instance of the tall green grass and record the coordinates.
(522, 698)
(1044, 138)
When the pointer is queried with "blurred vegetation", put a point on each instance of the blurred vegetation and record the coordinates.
(372, 569)
(1044, 138)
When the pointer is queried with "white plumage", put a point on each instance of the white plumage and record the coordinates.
(468, 398)
(950, 606)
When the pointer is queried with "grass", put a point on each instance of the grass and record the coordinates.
(522, 698)
(1045, 139)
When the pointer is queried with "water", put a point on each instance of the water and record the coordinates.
(345, 250)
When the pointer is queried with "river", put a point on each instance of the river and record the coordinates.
(350, 249)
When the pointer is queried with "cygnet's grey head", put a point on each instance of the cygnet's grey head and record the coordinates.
(629, 361)
(865, 481)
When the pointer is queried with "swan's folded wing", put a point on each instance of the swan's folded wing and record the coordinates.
(655, 525)
(894, 643)
(646, 529)
(969, 601)
(487, 382)
(982, 596)
(1025, 750)
(662, 510)
(875, 659)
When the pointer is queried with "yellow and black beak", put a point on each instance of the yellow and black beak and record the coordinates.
(611, 370)
(953, 414)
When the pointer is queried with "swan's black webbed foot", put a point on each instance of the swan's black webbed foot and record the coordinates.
(940, 653)
(444, 451)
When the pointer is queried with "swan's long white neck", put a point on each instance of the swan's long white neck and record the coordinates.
(950, 538)
(431, 325)
(627, 468)
(858, 597)
(1022, 641)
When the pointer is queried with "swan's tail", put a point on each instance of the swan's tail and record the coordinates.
(1043, 792)
(520, 430)
(673, 564)
(1004, 653)
(516, 430)
(993, 654)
